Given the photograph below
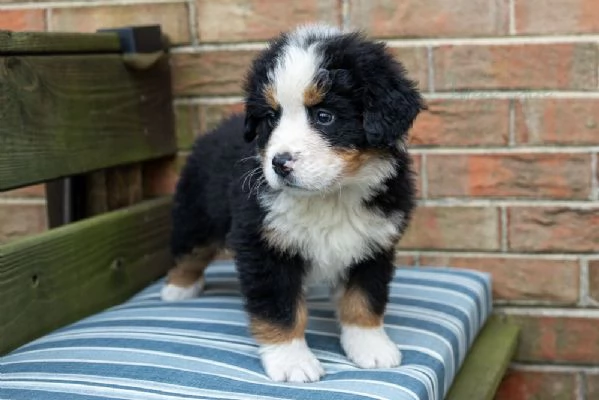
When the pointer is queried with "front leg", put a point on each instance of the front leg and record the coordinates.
(361, 302)
(272, 287)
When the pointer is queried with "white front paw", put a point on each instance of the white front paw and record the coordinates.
(291, 362)
(172, 292)
(369, 347)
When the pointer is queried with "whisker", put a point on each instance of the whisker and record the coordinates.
(247, 177)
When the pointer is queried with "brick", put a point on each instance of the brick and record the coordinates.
(518, 279)
(404, 260)
(172, 17)
(556, 16)
(34, 191)
(195, 120)
(594, 280)
(557, 339)
(210, 116)
(431, 18)
(210, 73)
(20, 220)
(444, 228)
(415, 61)
(557, 121)
(417, 168)
(462, 123)
(592, 386)
(252, 20)
(551, 176)
(553, 229)
(186, 117)
(533, 385)
(22, 20)
(530, 66)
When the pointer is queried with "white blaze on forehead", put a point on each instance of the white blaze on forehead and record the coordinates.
(298, 64)
(294, 72)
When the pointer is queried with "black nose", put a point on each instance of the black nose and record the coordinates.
(281, 164)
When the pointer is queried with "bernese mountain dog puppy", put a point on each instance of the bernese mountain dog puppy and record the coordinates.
(312, 184)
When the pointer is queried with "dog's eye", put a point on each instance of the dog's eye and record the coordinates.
(324, 117)
(271, 118)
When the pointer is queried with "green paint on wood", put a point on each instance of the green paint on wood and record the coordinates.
(65, 115)
(65, 274)
(53, 43)
(486, 362)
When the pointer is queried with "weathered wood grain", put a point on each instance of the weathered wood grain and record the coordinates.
(52, 43)
(486, 363)
(67, 273)
(66, 115)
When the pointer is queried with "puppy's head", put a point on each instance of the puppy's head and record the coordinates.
(327, 109)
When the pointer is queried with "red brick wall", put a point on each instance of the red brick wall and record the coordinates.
(506, 155)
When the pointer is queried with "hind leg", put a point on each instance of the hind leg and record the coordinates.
(186, 279)
(197, 233)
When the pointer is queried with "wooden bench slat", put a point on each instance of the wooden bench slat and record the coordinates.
(55, 42)
(66, 115)
(486, 362)
(58, 277)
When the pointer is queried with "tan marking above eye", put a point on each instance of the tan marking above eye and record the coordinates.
(313, 94)
(271, 99)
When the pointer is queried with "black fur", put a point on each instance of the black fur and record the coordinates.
(216, 198)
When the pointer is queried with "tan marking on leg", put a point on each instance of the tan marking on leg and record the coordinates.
(353, 309)
(265, 332)
(190, 268)
(313, 94)
(271, 99)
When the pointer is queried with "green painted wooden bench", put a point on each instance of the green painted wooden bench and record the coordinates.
(91, 116)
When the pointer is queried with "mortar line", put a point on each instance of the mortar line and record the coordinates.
(584, 296)
(493, 41)
(345, 15)
(48, 19)
(512, 17)
(82, 3)
(459, 202)
(583, 313)
(17, 201)
(431, 69)
(424, 176)
(193, 21)
(517, 366)
(504, 227)
(580, 386)
(505, 150)
(207, 47)
(513, 94)
(512, 123)
(594, 177)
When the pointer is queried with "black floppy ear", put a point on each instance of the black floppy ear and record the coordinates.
(390, 108)
(249, 128)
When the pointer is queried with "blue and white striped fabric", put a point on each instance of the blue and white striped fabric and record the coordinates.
(201, 349)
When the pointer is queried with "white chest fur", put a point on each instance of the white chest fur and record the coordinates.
(330, 232)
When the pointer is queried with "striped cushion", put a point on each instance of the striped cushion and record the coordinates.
(200, 349)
